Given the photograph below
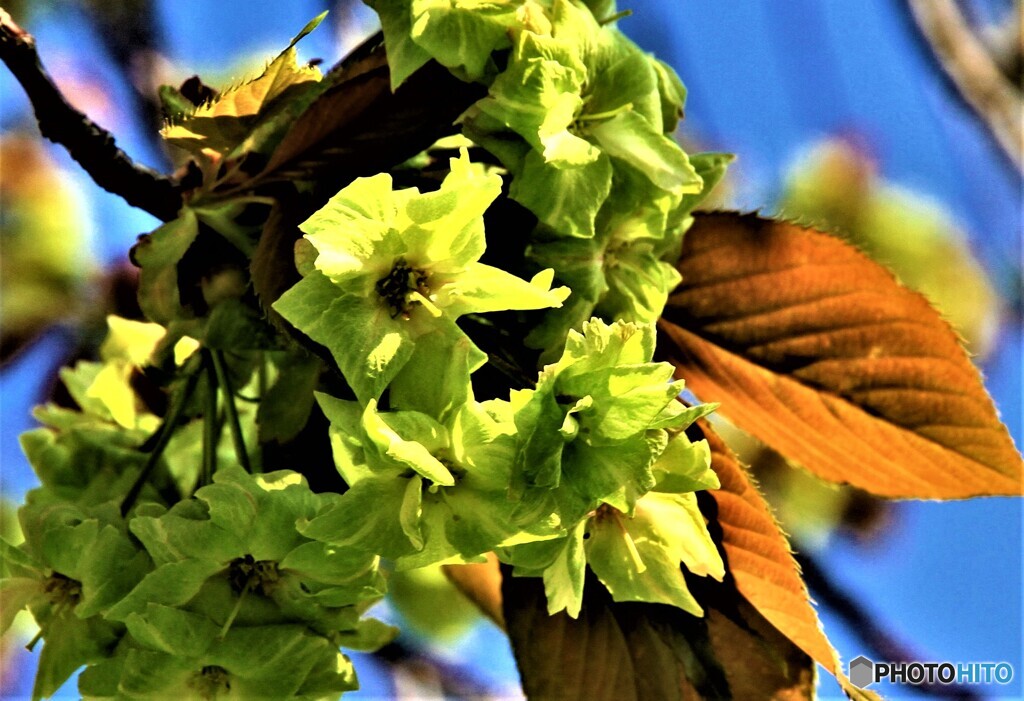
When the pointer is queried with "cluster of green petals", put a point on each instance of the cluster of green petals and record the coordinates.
(590, 468)
(215, 596)
(238, 603)
(74, 565)
(90, 455)
(582, 119)
(600, 444)
(584, 101)
(423, 491)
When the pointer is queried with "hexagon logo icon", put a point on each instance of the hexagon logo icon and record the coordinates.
(862, 672)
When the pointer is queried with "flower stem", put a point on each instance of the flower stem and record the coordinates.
(217, 357)
(163, 436)
(634, 554)
(211, 424)
(35, 640)
(234, 611)
(615, 18)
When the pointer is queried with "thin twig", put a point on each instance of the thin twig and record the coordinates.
(232, 411)
(88, 143)
(973, 72)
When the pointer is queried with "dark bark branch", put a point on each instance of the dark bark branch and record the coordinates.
(88, 143)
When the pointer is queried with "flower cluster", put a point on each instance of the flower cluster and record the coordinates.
(160, 556)
(169, 597)
(595, 453)
(582, 119)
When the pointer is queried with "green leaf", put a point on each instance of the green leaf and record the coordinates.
(462, 36)
(631, 138)
(235, 326)
(157, 254)
(254, 115)
(173, 105)
(637, 558)
(285, 407)
(225, 218)
(566, 199)
(405, 56)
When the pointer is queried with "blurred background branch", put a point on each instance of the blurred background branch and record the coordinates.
(975, 71)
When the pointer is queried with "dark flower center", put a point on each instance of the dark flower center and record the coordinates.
(394, 288)
(62, 590)
(257, 576)
(211, 681)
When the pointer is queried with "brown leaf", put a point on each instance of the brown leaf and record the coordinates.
(757, 554)
(481, 584)
(360, 128)
(632, 651)
(820, 353)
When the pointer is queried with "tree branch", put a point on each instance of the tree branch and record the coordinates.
(88, 143)
(972, 70)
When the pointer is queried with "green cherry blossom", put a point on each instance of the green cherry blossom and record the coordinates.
(422, 492)
(382, 268)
